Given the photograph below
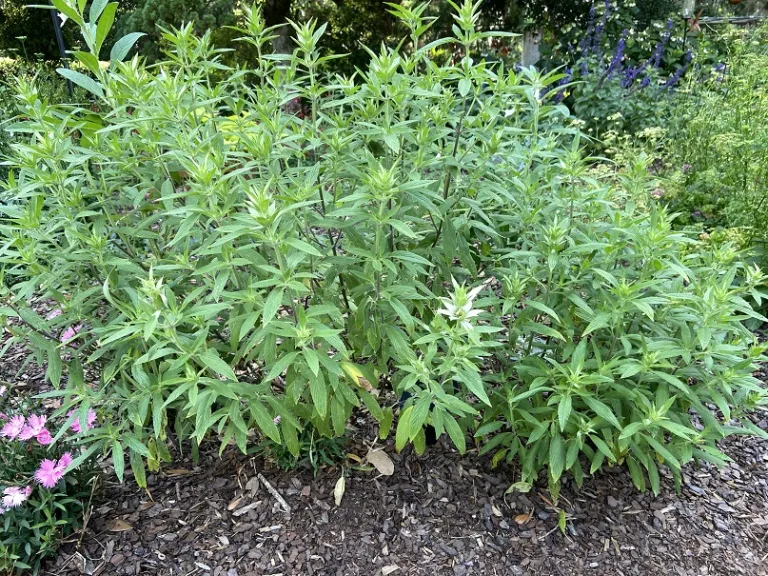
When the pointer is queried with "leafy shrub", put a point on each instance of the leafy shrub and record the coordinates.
(626, 338)
(233, 270)
(718, 146)
(47, 83)
(44, 496)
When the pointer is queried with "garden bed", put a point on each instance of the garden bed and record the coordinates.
(437, 514)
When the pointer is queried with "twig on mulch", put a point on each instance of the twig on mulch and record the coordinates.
(274, 493)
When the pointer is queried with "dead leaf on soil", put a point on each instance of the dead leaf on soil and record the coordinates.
(177, 472)
(145, 506)
(117, 525)
(252, 486)
(338, 491)
(387, 570)
(523, 518)
(496, 511)
(382, 462)
(234, 504)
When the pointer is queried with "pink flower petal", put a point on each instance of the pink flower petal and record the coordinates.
(75, 426)
(13, 427)
(44, 438)
(65, 461)
(14, 496)
(48, 474)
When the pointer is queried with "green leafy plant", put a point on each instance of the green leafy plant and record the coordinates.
(717, 148)
(626, 338)
(227, 269)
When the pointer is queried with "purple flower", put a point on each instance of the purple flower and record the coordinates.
(44, 438)
(661, 45)
(616, 61)
(51, 471)
(670, 83)
(53, 314)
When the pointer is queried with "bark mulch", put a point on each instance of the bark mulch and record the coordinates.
(437, 514)
(441, 513)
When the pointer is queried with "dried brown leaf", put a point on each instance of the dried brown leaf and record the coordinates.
(383, 463)
(523, 518)
(338, 491)
(117, 525)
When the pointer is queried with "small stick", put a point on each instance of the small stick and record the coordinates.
(274, 493)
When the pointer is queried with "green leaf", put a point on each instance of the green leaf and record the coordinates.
(280, 366)
(556, 457)
(564, 411)
(631, 429)
(455, 433)
(465, 85)
(123, 46)
(543, 308)
(105, 23)
(602, 410)
(63, 7)
(97, 7)
(55, 368)
(210, 359)
(403, 428)
(272, 305)
(600, 321)
(264, 421)
(636, 472)
(139, 471)
(118, 459)
(319, 393)
(82, 80)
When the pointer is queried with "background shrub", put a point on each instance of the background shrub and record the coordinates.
(718, 146)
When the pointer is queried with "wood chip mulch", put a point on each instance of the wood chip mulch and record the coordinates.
(437, 514)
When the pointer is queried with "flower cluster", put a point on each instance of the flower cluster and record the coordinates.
(631, 77)
(20, 428)
(48, 474)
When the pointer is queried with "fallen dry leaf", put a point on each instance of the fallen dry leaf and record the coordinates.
(232, 505)
(117, 525)
(387, 570)
(338, 491)
(177, 472)
(523, 518)
(496, 511)
(383, 463)
(252, 486)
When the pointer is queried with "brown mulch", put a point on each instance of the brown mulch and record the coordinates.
(437, 514)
